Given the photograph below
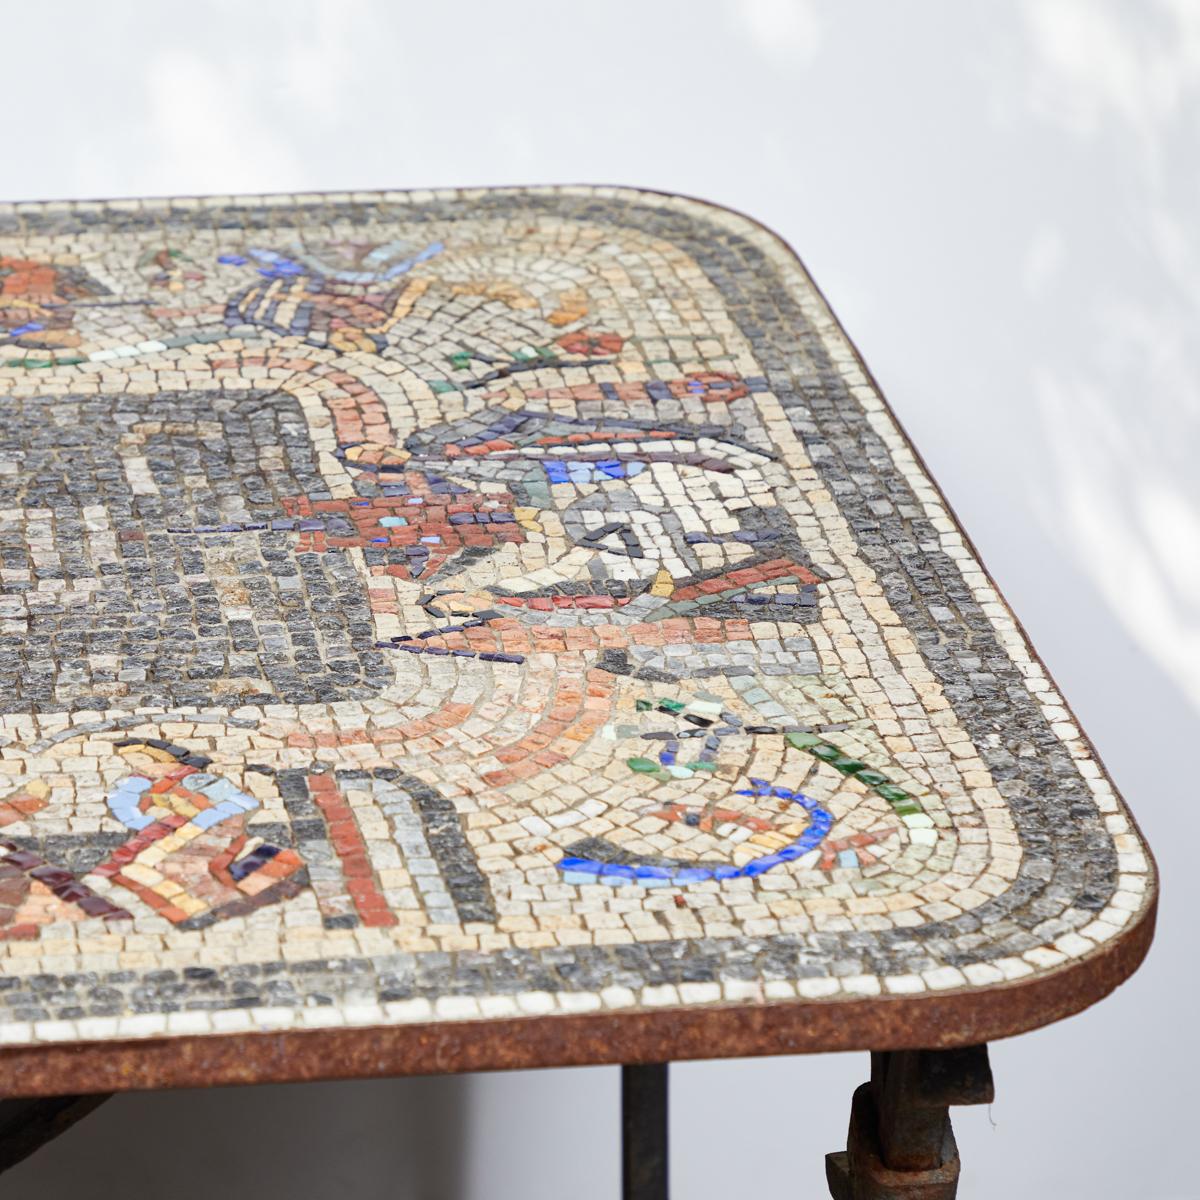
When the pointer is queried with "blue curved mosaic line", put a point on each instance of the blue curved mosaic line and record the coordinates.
(648, 874)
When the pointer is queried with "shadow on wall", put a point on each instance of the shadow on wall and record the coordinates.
(1118, 88)
(373, 1141)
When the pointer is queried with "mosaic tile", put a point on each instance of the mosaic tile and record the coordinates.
(437, 606)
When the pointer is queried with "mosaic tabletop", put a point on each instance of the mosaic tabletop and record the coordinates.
(503, 627)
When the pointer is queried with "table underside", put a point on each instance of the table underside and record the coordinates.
(456, 630)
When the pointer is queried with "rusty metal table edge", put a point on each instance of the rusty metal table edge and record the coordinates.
(950, 1019)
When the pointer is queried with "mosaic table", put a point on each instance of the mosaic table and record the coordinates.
(444, 631)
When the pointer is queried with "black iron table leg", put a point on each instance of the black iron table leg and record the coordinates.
(27, 1125)
(901, 1145)
(644, 1132)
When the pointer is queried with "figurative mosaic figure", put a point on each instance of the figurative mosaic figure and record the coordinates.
(347, 309)
(450, 497)
(36, 297)
(34, 892)
(191, 858)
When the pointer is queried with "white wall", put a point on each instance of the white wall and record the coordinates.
(1000, 200)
